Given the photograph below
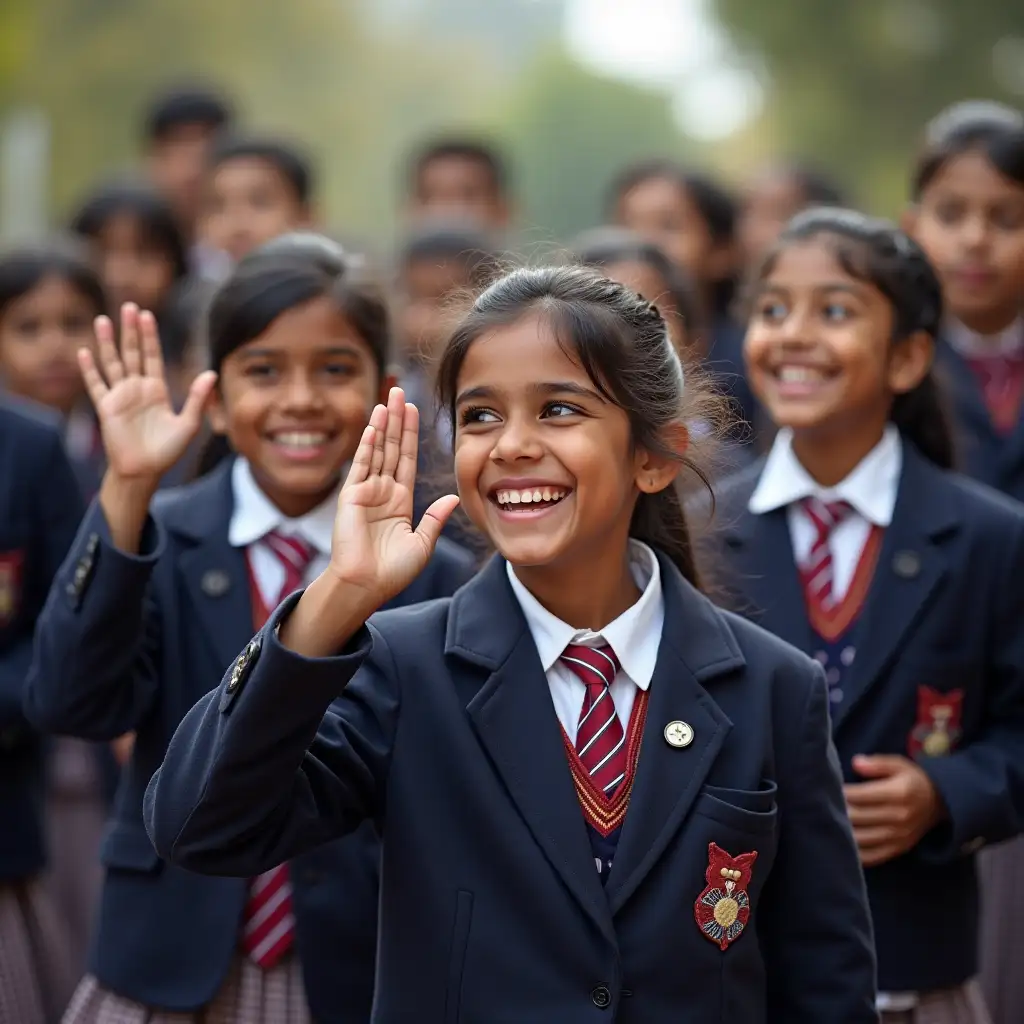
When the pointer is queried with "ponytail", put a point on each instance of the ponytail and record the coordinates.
(922, 418)
(660, 522)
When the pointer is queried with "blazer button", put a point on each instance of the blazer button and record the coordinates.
(601, 997)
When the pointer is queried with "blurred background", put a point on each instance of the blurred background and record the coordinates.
(571, 89)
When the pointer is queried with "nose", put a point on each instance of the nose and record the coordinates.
(301, 393)
(516, 440)
(975, 232)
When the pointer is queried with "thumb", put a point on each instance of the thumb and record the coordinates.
(878, 766)
(198, 395)
(434, 519)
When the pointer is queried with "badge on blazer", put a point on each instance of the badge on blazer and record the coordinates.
(723, 908)
(937, 729)
(10, 584)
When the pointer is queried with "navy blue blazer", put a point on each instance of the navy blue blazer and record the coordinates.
(945, 610)
(982, 452)
(40, 508)
(131, 643)
(492, 912)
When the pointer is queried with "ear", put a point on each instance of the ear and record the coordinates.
(216, 413)
(654, 472)
(910, 362)
(309, 217)
(908, 220)
(387, 382)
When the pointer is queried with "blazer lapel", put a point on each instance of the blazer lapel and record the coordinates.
(669, 778)
(214, 573)
(515, 719)
(910, 567)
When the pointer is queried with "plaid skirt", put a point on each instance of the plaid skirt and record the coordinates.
(249, 995)
(962, 1005)
(35, 976)
(1001, 870)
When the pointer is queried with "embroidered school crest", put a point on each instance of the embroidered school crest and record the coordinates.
(937, 730)
(10, 585)
(723, 908)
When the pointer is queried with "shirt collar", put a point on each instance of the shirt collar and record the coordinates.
(255, 515)
(871, 488)
(971, 345)
(634, 636)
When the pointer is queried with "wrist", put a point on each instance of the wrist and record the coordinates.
(125, 505)
(329, 613)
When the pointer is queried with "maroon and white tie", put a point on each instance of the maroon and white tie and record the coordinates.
(817, 570)
(268, 923)
(600, 740)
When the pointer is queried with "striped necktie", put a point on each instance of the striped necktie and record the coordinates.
(268, 923)
(817, 570)
(600, 740)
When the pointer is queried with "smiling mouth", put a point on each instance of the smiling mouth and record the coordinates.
(301, 442)
(790, 374)
(529, 499)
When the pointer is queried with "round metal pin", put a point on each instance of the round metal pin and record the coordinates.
(678, 734)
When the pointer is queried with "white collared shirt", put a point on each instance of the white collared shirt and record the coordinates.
(971, 345)
(634, 637)
(870, 490)
(255, 515)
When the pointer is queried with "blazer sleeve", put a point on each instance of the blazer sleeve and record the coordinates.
(94, 671)
(816, 931)
(58, 511)
(288, 753)
(982, 784)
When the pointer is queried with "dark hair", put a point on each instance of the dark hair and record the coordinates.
(180, 108)
(815, 186)
(605, 246)
(716, 206)
(152, 211)
(24, 268)
(622, 343)
(288, 272)
(456, 148)
(457, 242)
(879, 253)
(995, 130)
(283, 157)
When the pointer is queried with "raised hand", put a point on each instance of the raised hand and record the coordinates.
(142, 434)
(375, 546)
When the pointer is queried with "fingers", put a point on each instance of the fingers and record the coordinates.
(880, 766)
(131, 355)
(869, 817)
(152, 358)
(393, 432)
(434, 519)
(379, 421)
(94, 383)
(867, 794)
(110, 362)
(363, 458)
(198, 395)
(405, 474)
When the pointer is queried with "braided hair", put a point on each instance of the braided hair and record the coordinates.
(622, 343)
(877, 252)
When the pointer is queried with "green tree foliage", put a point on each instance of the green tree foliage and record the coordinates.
(852, 82)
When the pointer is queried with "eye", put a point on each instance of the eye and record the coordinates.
(836, 312)
(949, 212)
(260, 371)
(477, 414)
(772, 311)
(1008, 218)
(557, 410)
(345, 371)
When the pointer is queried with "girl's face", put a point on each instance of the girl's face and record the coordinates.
(40, 335)
(970, 222)
(295, 400)
(133, 268)
(646, 281)
(771, 201)
(426, 287)
(664, 213)
(545, 465)
(818, 348)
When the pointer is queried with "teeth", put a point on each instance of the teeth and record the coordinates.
(530, 497)
(798, 374)
(300, 439)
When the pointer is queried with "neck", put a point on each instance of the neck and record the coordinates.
(831, 456)
(586, 595)
(989, 322)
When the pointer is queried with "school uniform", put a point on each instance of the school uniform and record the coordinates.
(129, 643)
(986, 378)
(692, 890)
(40, 508)
(923, 653)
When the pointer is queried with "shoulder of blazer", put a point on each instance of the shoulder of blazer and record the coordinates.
(455, 555)
(36, 427)
(198, 508)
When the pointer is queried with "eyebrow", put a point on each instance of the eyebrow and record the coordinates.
(337, 348)
(858, 290)
(558, 387)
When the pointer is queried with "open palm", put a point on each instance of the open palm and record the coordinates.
(375, 545)
(142, 434)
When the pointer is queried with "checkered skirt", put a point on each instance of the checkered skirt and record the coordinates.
(249, 995)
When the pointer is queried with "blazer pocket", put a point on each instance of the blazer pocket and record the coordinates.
(127, 847)
(743, 809)
(457, 956)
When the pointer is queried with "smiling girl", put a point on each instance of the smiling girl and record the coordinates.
(155, 598)
(600, 796)
(854, 542)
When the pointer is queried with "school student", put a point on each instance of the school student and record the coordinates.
(853, 541)
(968, 215)
(40, 508)
(600, 797)
(155, 597)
